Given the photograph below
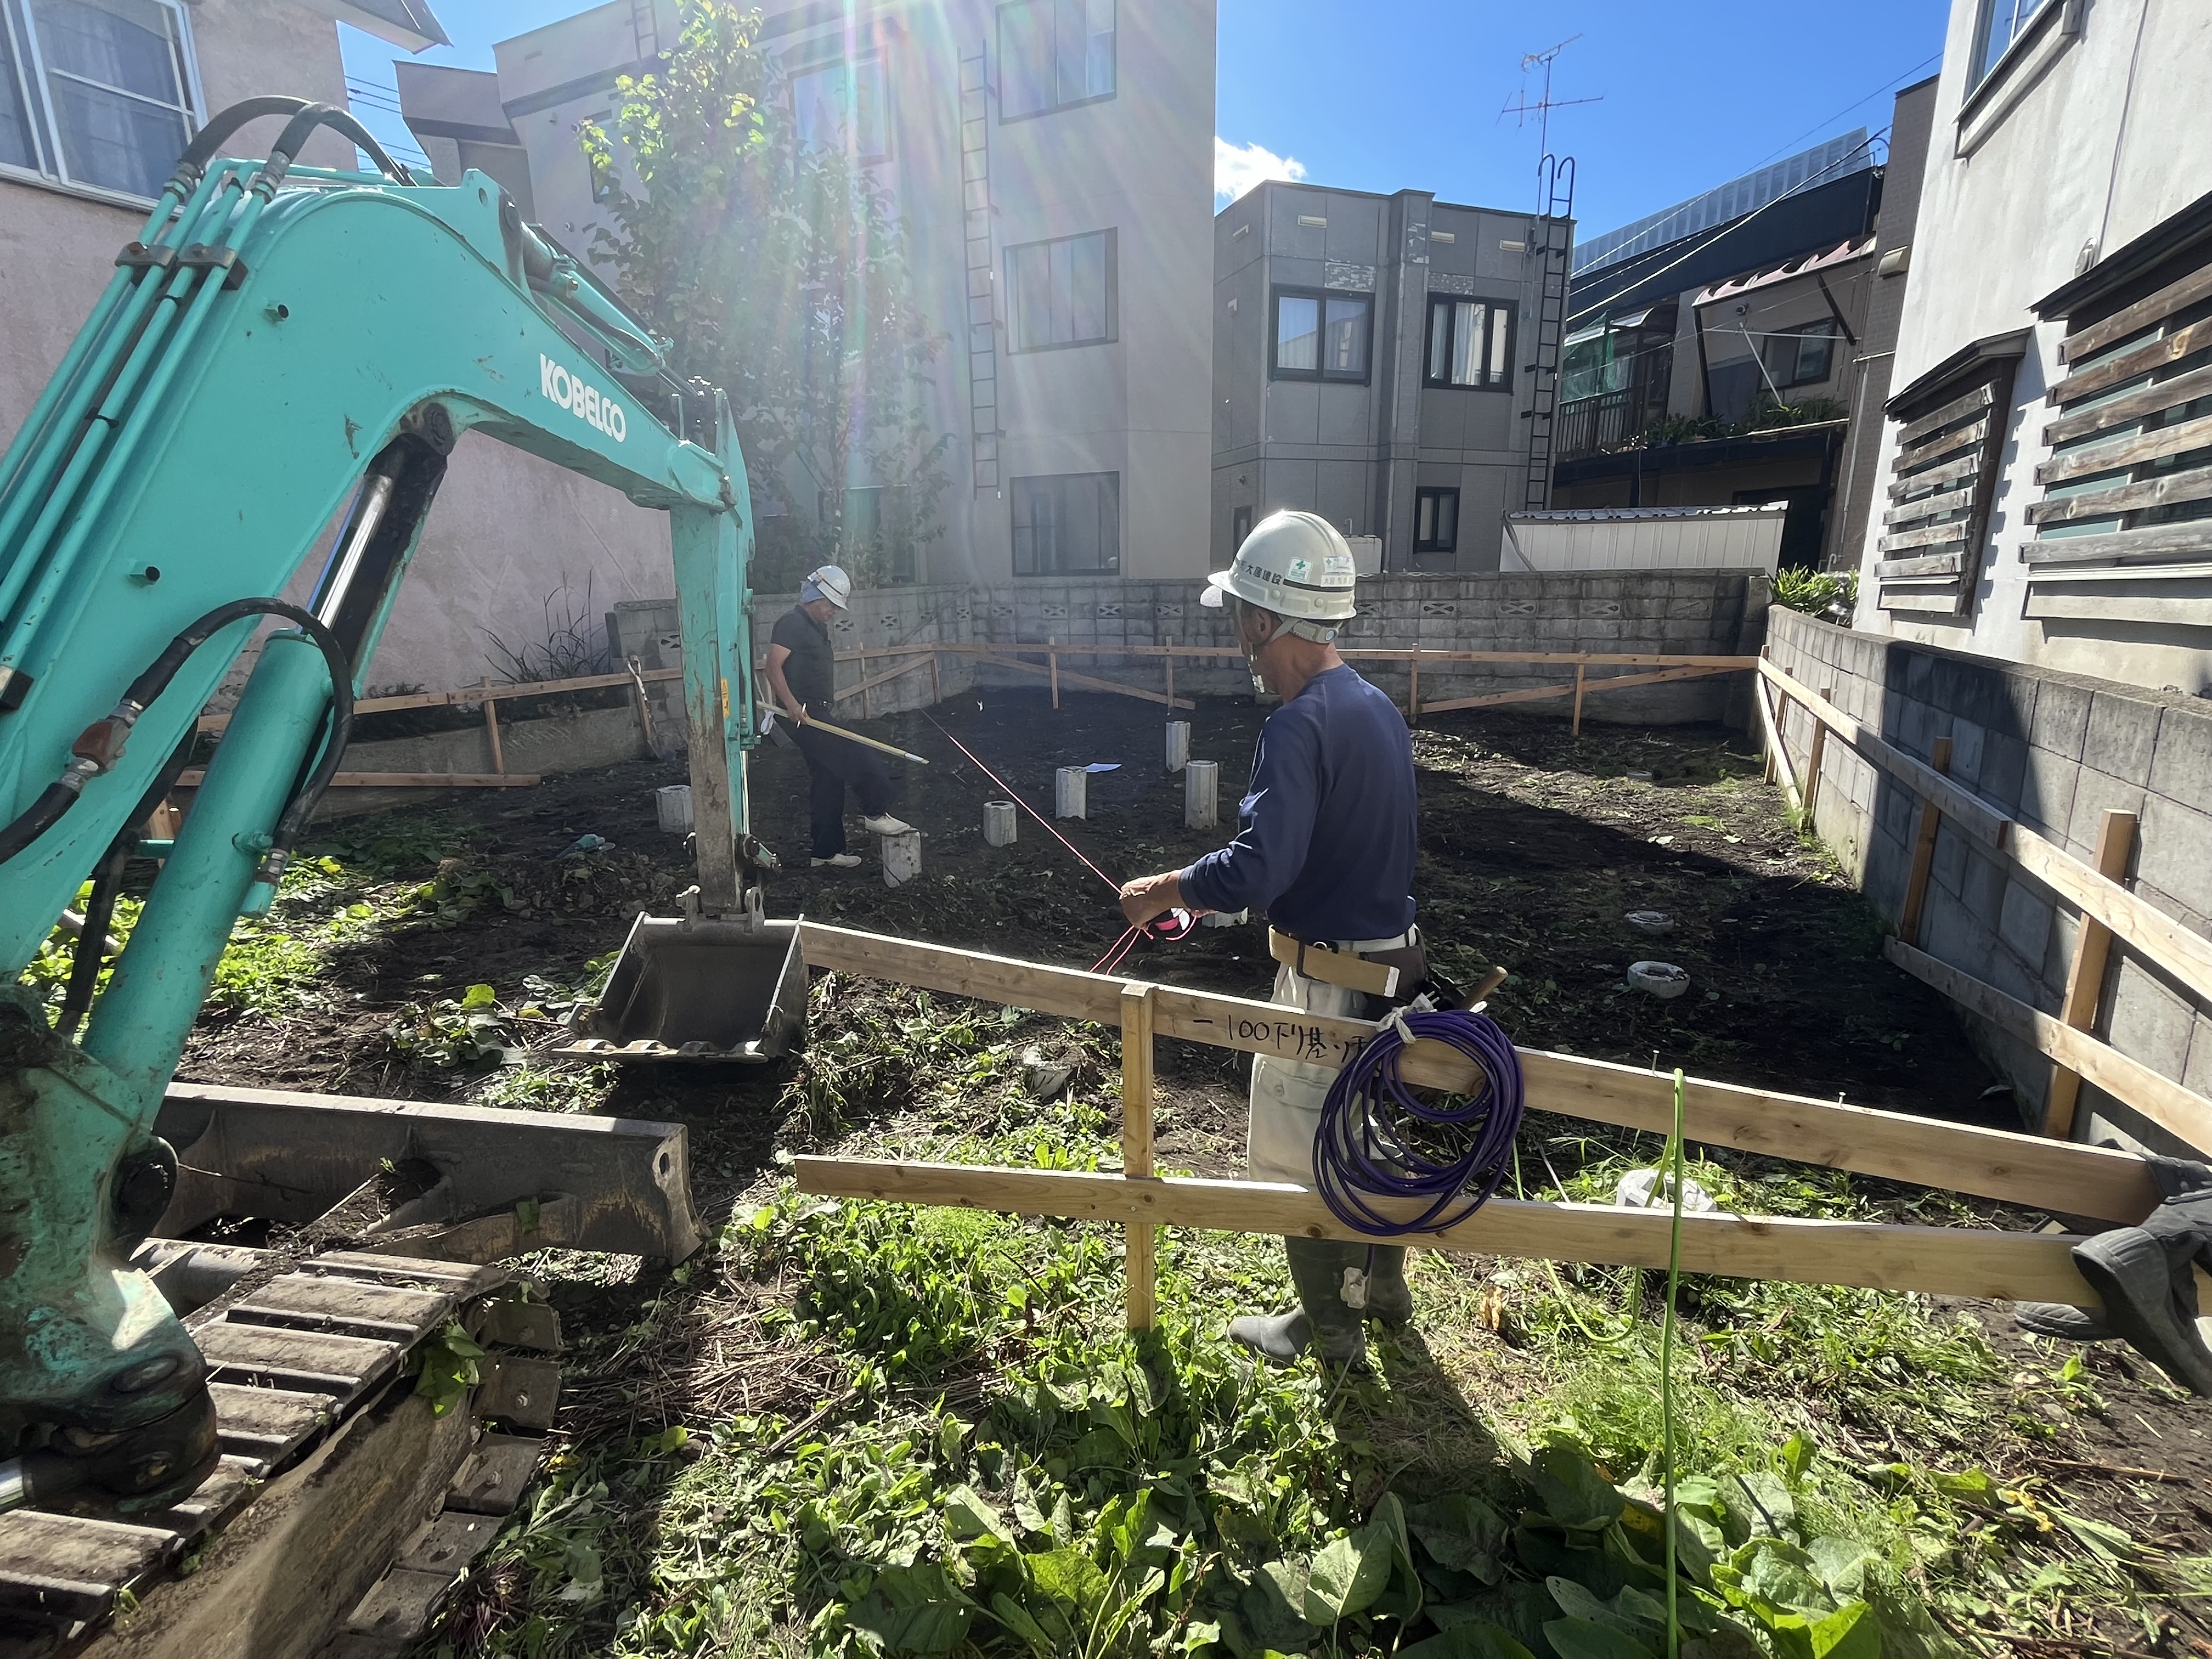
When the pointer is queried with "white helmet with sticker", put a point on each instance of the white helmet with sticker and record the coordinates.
(1296, 564)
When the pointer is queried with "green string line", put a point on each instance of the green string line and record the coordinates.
(1667, 1366)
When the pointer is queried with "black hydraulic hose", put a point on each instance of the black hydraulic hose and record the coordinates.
(212, 136)
(100, 745)
(91, 953)
(301, 126)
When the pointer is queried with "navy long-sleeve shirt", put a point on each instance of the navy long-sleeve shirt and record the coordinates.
(1328, 827)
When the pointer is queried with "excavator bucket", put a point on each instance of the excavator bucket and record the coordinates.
(694, 988)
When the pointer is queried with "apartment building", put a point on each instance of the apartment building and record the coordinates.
(1373, 363)
(2046, 468)
(1052, 163)
(1717, 352)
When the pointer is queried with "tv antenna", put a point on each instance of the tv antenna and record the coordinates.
(1521, 109)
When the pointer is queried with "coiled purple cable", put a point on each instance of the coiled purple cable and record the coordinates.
(1378, 1139)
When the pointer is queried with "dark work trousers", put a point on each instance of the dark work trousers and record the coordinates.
(834, 764)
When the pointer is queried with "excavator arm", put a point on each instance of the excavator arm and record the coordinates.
(281, 347)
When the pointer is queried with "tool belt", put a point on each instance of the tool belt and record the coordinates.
(1387, 979)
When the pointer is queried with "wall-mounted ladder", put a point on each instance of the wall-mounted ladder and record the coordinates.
(975, 211)
(1551, 242)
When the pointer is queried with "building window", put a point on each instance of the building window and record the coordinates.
(1320, 336)
(2003, 22)
(1436, 520)
(1240, 526)
(843, 105)
(1063, 292)
(1469, 344)
(1054, 53)
(1068, 525)
(1802, 356)
(96, 93)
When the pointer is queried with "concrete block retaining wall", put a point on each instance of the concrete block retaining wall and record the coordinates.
(2053, 751)
(1681, 613)
(1676, 613)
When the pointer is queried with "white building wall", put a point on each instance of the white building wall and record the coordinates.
(1140, 162)
(2094, 134)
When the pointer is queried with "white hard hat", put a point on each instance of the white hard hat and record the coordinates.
(830, 583)
(1296, 564)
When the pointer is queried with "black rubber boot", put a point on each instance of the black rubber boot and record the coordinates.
(1323, 1320)
(2058, 1320)
(1390, 1297)
(2132, 1272)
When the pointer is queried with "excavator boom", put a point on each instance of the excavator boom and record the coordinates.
(281, 347)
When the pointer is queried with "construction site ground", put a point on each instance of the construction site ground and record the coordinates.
(2030, 1497)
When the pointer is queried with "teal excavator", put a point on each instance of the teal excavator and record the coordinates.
(281, 347)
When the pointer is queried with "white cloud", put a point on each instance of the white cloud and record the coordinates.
(1236, 168)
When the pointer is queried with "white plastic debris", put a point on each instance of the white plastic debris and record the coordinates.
(1650, 921)
(1646, 1189)
(1662, 980)
(1042, 1078)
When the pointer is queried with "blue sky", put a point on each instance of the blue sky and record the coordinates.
(1394, 95)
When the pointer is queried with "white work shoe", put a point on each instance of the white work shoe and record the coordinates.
(839, 861)
(885, 825)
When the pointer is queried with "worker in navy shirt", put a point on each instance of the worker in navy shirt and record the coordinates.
(1326, 839)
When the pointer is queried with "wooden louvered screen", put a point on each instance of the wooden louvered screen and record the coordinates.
(1945, 472)
(2129, 483)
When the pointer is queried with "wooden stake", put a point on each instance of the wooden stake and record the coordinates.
(1137, 1145)
(1813, 759)
(644, 709)
(1052, 657)
(492, 729)
(1413, 687)
(1777, 752)
(1169, 660)
(2085, 976)
(936, 687)
(1924, 856)
(1579, 700)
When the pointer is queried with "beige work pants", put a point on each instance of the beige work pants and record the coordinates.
(1287, 1096)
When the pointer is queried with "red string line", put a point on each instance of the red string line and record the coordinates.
(1024, 805)
(1120, 948)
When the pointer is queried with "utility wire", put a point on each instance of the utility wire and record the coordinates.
(1732, 225)
(1827, 120)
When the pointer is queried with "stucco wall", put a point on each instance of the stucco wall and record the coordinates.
(2053, 752)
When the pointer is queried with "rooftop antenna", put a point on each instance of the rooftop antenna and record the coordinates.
(1521, 109)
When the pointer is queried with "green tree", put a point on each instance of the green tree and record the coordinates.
(779, 269)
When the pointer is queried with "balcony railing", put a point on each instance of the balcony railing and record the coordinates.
(1590, 426)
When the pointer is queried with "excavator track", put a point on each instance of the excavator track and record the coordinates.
(345, 1507)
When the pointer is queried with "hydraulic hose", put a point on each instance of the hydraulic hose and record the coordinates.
(1379, 1140)
(301, 126)
(211, 137)
(100, 745)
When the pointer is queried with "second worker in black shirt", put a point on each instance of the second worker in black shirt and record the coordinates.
(802, 671)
